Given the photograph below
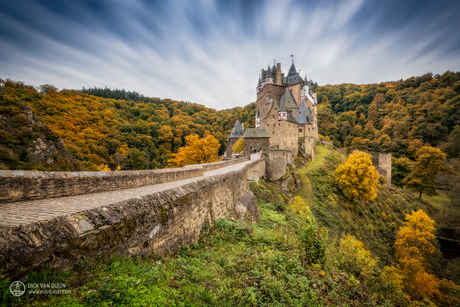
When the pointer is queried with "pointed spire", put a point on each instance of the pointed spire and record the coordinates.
(292, 70)
(259, 83)
(304, 114)
(269, 72)
(237, 131)
(282, 105)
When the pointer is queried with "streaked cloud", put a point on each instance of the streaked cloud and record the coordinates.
(211, 52)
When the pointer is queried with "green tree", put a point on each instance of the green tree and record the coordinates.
(357, 177)
(429, 163)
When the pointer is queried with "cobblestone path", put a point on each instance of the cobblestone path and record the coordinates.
(25, 212)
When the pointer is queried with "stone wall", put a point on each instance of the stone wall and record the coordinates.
(155, 224)
(264, 143)
(269, 91)
(277, 161)
(30, 185)
(223, 163)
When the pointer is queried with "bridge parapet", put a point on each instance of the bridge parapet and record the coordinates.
(152, 224)
(33, 185)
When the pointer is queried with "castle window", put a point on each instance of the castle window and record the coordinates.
(273, 116)
(268, 125)
(300, 130)
(274, 125)
(279, 124)
(273, 132)
(308, 129)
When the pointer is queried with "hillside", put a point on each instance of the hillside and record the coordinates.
(126, 129)
(97, 131)
(397, 117)
(236, 263)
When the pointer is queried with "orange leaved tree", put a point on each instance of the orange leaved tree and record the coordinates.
(358, 177)
(196, 151)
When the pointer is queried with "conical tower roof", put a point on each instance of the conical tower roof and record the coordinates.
(293, 77)
(304, 114)
(289, 100)
(237, 131)
(292, 70)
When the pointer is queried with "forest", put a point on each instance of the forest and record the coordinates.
(397, 117)
(98, 131)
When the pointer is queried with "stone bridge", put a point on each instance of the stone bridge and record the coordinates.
(54, 220)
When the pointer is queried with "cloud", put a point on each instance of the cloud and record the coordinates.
(211, 52)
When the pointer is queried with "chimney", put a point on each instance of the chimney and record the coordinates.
(242, 126)
(278, 74)
(262, 74)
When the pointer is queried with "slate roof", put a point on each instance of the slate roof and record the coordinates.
(237, 131)
(293, 76)
(283, 108)
(256, 133)
(304, 115)
(288, 100)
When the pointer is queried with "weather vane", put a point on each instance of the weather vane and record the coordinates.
(292, 56)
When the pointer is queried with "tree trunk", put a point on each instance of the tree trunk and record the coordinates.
(420, 196)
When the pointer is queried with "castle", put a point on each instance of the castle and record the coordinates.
(286, 117)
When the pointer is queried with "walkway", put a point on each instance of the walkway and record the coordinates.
(25, 212)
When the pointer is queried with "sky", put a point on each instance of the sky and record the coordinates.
(211, 52)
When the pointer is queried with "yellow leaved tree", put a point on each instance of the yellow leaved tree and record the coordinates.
(357, 177)
(197, 151)
(413, 248)
(238, 146)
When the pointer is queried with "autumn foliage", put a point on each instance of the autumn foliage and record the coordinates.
(238, 146)
(413, 248)
(198, 150)
(357, 177)
(398, 116)
(115, 128)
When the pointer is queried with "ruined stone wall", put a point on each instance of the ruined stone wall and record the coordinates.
(30, 185)
(154, 224)
(385, 164)
(277, 161)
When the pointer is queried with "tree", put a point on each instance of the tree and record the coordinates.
(429, 163)
(239, 145)
(197, 151)
(413, 247)
(400, 169)
(358, 177)
(451, 183)
(414, 238)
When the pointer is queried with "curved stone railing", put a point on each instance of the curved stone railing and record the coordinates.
(30, 185)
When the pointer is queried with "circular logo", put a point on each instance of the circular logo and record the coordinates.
(17, 288)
